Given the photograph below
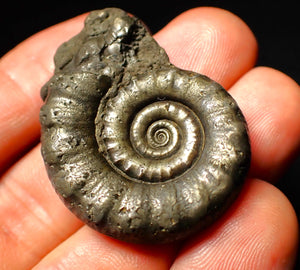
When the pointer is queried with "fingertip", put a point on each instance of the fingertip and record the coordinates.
(270, 102)
(259, 232)
(211, 41)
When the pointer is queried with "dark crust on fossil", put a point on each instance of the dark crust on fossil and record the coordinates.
(137, 148)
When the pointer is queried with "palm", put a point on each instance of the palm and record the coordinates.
(259, 231)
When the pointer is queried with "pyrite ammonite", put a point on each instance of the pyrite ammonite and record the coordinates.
(137, 148)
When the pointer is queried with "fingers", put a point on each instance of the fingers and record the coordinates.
(32, 218)
(87, 249)
(260, 232)
(23, 71)
(270, 102)
(210, 41)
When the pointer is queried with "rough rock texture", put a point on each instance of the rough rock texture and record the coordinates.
(137, 148)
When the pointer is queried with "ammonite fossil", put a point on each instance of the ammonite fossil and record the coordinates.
(138, 149)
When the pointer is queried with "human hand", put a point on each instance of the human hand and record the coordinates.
(259, 231)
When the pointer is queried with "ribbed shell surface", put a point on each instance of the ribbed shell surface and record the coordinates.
(137, 148)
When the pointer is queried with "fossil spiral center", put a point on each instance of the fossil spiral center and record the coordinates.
(154, 144)
(162, 138)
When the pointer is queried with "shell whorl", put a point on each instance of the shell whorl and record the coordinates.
(137, 148)
(147, 138)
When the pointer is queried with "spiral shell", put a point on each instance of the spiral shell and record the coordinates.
(137, 148)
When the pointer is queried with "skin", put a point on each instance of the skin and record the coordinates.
(259, 231)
